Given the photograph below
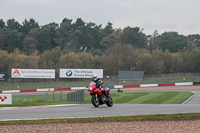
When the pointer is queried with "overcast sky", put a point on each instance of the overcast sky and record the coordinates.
(182, 16)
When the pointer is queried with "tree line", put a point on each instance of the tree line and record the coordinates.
(87, 45)
(116, 57)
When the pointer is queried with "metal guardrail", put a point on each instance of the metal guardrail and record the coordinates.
(72, 96)
(77, 96)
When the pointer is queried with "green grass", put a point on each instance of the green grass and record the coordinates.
(136, 117)
(171, 97)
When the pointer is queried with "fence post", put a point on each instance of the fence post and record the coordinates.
(53, 95)
(47, 95)
(61, 95)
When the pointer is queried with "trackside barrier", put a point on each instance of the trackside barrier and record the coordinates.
(77, 96)
(111, 87)
(196, 83)
(188, 83)
(72, 96)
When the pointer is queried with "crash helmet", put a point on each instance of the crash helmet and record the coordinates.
(94, 77)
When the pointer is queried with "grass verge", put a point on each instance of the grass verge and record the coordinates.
(92, 119)
(171, 97)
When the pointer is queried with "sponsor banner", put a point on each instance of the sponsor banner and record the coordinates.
(3, 76)
(80, 73)
(5, 98)
(33, 73)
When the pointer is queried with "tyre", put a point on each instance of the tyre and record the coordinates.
(109, 103)
(95, 101)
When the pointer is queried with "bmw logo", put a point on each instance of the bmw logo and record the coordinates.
(69, 73)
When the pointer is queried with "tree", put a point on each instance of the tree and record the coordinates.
(94, 36)
(28, 25)
(195, 38)
(119, 57)
(33, 60)
(18, 60)
(89, 38)
(133, 36)
(63, 33)
(152, 41)
(4, 59)
(85, 37)
(86, 60)
(196, 57)
(111, 39)
(30, 45)
(3, 34)
(172, 41)
(78, 36)
(2, 23)
(69, 60)
(176, 64)
(108, 29)
(157, 61)
(170, 62)
(13, 40)
(47, 37)
(13, 25)
(30, 42)
(188, 62)
(144, 62)
(49, 59)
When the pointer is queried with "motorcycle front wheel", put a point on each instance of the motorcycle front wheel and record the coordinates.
(109, 103)
(95, 101)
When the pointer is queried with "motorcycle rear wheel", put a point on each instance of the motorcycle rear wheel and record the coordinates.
(95, 101)
(109, 103)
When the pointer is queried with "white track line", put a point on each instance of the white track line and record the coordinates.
(195, 93)
(36, 107)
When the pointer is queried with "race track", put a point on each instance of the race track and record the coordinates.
(87, 110)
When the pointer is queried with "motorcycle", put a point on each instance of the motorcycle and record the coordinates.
(99, 97)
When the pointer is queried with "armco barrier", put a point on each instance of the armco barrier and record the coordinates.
(111, 87)
(168, 84)
(130, 86)
(196, 83)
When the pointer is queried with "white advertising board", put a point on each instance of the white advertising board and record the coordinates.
(80, 73)
(33, 73)
(5, 98)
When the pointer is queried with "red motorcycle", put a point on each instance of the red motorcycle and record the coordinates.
(100, 95)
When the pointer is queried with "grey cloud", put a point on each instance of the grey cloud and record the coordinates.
(164, 15)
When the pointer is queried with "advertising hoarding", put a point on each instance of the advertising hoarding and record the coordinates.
(5, 98)
(131, 75)
(80, 73)
(3, 76)
(33, 73)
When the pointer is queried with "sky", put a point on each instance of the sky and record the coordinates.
(182, 16)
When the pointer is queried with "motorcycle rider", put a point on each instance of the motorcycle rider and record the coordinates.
(98, 84)
(96, 80)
